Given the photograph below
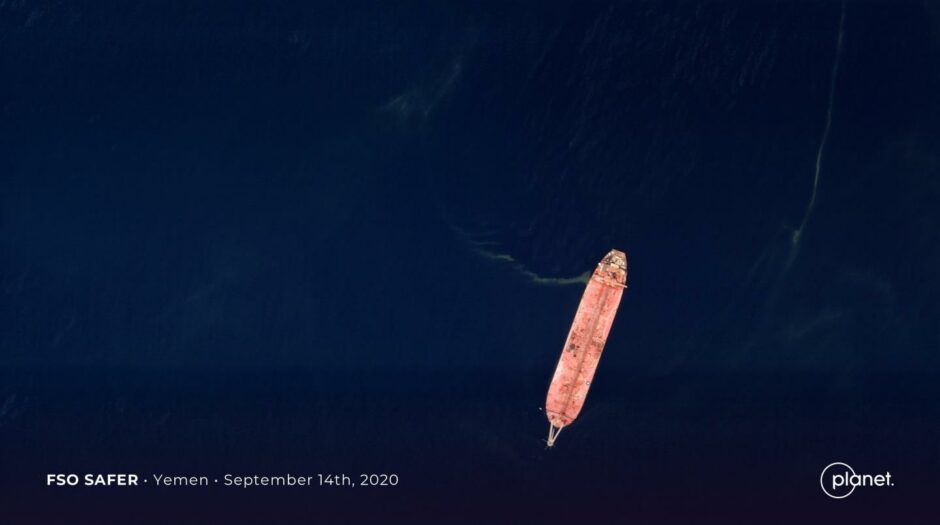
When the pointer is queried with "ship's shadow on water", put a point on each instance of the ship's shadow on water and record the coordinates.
(309, 239)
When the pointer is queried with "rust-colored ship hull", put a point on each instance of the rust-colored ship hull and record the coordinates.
(582, 350)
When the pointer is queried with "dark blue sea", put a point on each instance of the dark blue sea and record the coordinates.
(261, 238)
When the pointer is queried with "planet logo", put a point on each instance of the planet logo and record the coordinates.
(839, 480)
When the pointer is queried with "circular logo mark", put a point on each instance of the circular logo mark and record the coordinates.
(835, 480)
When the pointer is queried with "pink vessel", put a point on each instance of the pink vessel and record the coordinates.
(585, 343)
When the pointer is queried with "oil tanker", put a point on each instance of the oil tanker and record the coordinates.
(586, 339)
